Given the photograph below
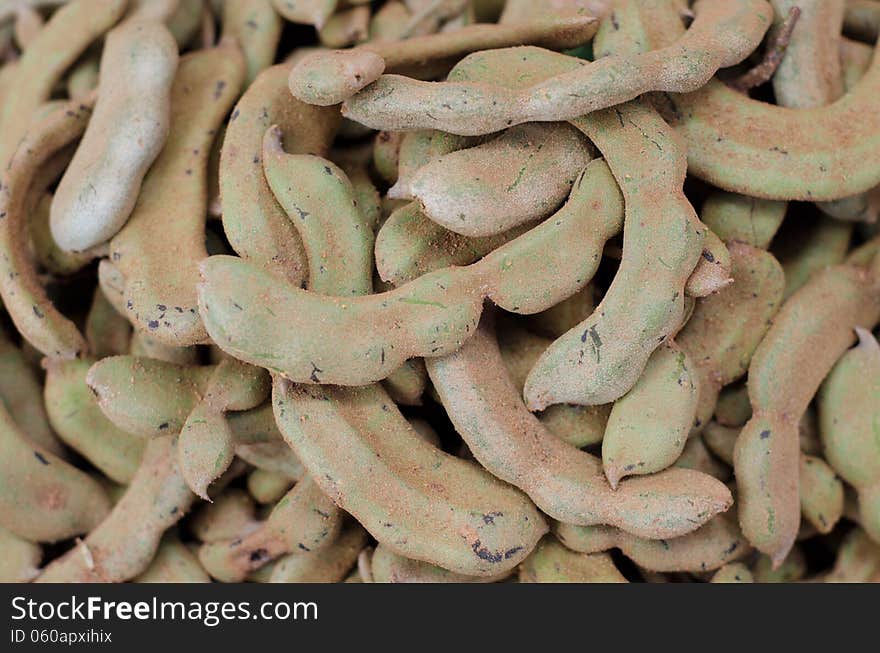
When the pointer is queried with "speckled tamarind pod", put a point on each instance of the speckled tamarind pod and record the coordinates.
(723, 34)
(256, 226)
(419, 501)
(327, 565)
(20, 558)
(173, 563)
(420, 148)
(159, 249)
(125, 135)
(328, 78)
(849, 415)
(565, 483)
(306, 12)
(738, 217)
(256, 26)
(42, 497)
(551, 562)
(388, 567)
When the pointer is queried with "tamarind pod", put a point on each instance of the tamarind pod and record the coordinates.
(386, 153)
(231, 514)
(714, 544)
(793, 568)
(66, 35)
(322, 206)
(256, 226)
(733, 572)
(346, 28)
(739, 217)
(629, 26)
(482, 108)
(327, 565)
(412, 488)
(712, 273)
(425, 431)
(268, 487)
(568, 313)
(257, 27)
(810, 332)
(186, 22)
(20, 559)
(173, 563)
(74, 414)
(855, 59)
(34, 315)
(144, 346)
(430, 16)
(821, 493)
(274, 457)
(696, 456)
(862, 19)
(123, 545)
(255, 426)
(107, 331)
(648, 426)
(28, 25)
(848, 419)
(733, 407)
(158, 249)
(306, 12)
(407, 383)
(328, 78)
(366, 194)
(42, 497)
(565, 483)
(389, 21)
(304, 520)
(858, 559)
(152, 10)
(551, 562)
(813, 247)
(420, 148)
(725, 329)
(389, 567)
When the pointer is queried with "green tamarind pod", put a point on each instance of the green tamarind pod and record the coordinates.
(327, 565)
(306, 12)
(733, 407)
(711, 546)
(145, 346)
(328, 78)
(858, 560)
(107, 331)
(75, 415)
(407, 383)
(862, 19)
(173, 563)
(256, 226)
(558, 319)
(419, 148)
(123, 545)
(386, 153)
(320, 201)
(158, 250)
(304, 520)
(648, 426)
(725, 329)
(811, 331)
(417, 500)
(388, 567)
(567, 484)
(551, 562)
(521, 176)
(125, 135)
(345, 28)
(66, 35)
(734, 572)
(268, 487)
(821, 493)
(42, 497)
(792, 568)
(232, 513)
(20, 558)
(429, 316)
(849, 419)
(696, 456)
(256, 27)
(812, 247)
(738, 217)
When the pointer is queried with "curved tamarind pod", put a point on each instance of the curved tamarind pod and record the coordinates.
(107, 331)
(346, 28)
(862, 19)
(733, 572)
(20, 560)
(849, 415)
(125, 135)
(67, 34)
(821, 493)
(34, 315)
(522, 176)
(733, 407)
(488, 526)
(565, 483)
(320, 201)
(551, 562)
(407, 383)
(481, 108)
(696, 456)
(173, 563)
(268, 487)
(74, 414)
(420, 148)
(159, 248)
(256, 226)
(123, 544)
(306, 12)
(304, 520)
(257, 28)
(858, 560)
(327, 565)
(232, 513)
(811, 248)
(328, 78)
(738, 217)
(42, 497)
(725, 329)
(711, 546)
(793, 568)
(810, 332)
(389, 567)
(648, 426)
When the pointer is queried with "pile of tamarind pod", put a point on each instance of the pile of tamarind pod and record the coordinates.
(439, 291)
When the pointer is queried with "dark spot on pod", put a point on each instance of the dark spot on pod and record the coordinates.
(765, 435)
(163, 426)
(41, 457)
(708, 256)
(258, 554)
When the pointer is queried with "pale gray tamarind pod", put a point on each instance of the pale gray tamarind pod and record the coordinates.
(407, 383)
(256, 226)
(811, 247)
(106, 330)
(521, 176)
(389, 567)
(173, 563)
(327, 565)
(419, 501)
(734, 572)
(738, 217)
(20, 560)
(714, 544)
(77, 419)
(862, 19)
(346, 27)
(567, 484)
(328, 78)
(306, 12)
(232, 513)
(158, 250)
(42, 497)
(268, 487)
(146, 346)
(849, 415)
(429, 316)
(256, 26)
(125, 542)
(304, 520)
(551, 562)
(792, 568)
(125, 135)
(858, 560)
(419, 148)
